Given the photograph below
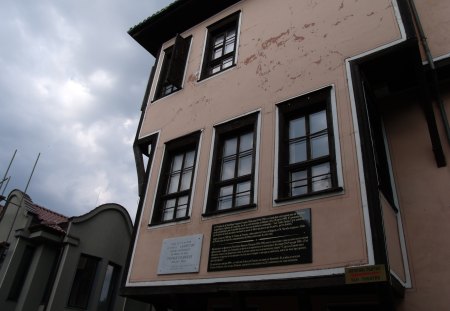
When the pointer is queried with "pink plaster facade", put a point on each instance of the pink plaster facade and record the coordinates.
(285, 50)
(269, 70)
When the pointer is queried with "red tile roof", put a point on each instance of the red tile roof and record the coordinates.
(45, 216)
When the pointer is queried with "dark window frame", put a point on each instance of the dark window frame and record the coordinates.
(173, 67)
(182, 145)
(232, 129)
(305, 106)
(74, 300)
(112, 287)
(21, 273)
(214, 31)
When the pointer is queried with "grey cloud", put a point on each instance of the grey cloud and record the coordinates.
(71, 85)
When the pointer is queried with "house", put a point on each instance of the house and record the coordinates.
(51, 262)
(293, 154)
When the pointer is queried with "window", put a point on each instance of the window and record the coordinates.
(108, 288)
(173, 67)
(221, 45)
(21, 274)
(306, 146)
(176, 180)
(83, 281)
(232, 180)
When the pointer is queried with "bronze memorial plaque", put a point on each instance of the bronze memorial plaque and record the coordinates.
(282, 239)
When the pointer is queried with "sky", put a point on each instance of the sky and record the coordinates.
(71, 86)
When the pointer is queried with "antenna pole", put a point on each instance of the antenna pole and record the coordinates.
(6, 186)
(32, 172)
(29, 179)
(7, 170)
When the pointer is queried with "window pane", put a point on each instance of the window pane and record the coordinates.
(231, 34)
(215, 69)
(182, 206)
(173, 183)
(108, 288)
(229, 47)
(229, 147)
(225, 199)
(245, 165)
(176, 163)
(319, 146)
(228, 169)
(168, 209)
(167, 89)
(217, 53)
(246, 142)
(218, 41)
(189, 159)
(243, 193)
(318, 121)
(83, 281)
(297, 128)
(227, 62)
(186, 180)
(297, 152)
(321, 178)
(299, 183)
(181, 211)
(106, 283)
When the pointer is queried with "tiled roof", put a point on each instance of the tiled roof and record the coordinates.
(45, 216)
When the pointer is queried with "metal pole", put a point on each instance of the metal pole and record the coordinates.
(29, 179)
(7, 170)
(6, 186)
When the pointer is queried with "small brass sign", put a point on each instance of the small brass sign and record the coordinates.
(365, 274)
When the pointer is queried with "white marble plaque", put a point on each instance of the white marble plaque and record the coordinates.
(180, 255)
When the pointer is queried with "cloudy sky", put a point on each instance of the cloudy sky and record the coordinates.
(71, 85)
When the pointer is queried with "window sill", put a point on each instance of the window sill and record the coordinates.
(309, 195)
(173, 221)
(206, 77)
(229, 210)
(164, 96)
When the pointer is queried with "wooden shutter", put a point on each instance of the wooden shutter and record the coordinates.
(178, 60)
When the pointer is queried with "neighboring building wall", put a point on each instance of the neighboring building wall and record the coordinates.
(14, 229)
(102, 233)
(38, 270)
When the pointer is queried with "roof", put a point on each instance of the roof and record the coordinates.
(46, 217)
(176, 18)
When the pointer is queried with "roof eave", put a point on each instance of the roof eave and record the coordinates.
(176, 18)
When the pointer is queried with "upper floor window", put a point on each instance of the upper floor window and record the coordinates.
(173, 67)
(110, 283)
(83, 282)
(221, 45)
(232, 184)
(22, 273)
(307, 162)
(175, 186)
